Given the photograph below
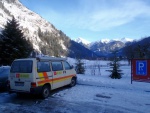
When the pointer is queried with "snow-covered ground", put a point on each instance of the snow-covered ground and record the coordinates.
(100, 88)
(95, 92)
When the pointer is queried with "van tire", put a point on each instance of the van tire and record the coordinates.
(73, 82)
(45, 91)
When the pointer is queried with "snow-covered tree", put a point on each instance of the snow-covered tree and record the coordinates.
(13, 44)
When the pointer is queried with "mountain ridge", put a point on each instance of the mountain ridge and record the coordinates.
(105, 46)
(104, 40)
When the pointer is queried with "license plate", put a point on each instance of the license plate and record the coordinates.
(19, 83)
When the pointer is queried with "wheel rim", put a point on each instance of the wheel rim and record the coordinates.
(72, 82)
(45, 93)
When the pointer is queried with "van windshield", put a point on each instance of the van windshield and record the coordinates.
(22, 66)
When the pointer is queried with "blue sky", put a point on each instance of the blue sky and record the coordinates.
(96, 19)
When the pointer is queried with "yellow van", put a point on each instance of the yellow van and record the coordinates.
(40, 75)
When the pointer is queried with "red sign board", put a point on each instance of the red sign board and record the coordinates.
(140, 70)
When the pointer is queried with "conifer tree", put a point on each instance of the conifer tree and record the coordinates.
(13, 44)
(79, 67)
(115, 72)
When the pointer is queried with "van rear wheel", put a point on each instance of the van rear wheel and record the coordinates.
(73, 82)
(45, 92)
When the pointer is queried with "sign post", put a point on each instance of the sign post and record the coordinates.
(131, 71)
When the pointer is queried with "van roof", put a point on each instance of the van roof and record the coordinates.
(45, 58)
(50, 58)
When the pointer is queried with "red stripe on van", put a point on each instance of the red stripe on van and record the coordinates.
(44, 81)
(55, 79)
(63, 77)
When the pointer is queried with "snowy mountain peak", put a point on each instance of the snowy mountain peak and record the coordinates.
(105, 40)
(81, 40)
(10, 1)
(126, 40)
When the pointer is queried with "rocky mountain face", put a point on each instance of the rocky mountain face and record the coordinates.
(104, 49)
(30, 22)
(43, 35)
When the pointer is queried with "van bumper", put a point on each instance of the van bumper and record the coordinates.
(36, 90)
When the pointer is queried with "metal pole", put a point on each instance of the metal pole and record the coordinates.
(131, 70)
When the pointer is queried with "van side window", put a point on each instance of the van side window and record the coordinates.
(57, 66)
(43, 67)
(67, 65)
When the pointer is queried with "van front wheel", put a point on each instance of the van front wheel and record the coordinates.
(73, 82)
(45, 92)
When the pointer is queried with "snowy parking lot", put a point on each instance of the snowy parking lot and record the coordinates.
(93, 94)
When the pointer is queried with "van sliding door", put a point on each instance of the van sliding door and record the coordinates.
(58, 74)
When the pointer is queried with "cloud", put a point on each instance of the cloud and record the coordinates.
(98, 15)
